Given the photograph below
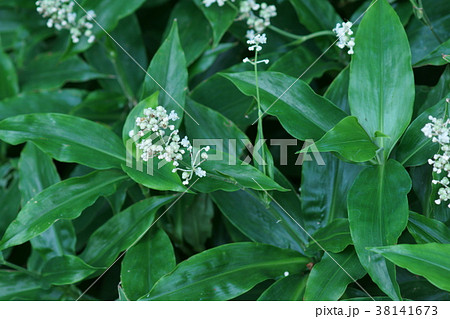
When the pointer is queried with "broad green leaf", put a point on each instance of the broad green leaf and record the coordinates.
(428, 230)
(66, 138)
(302, 61)
(145, 263)
(265, 223)
(195, 31)
(208, 59)
(436, 93)
(349, 139)
(16, 285)
(415, 148)
(122, 295)
(51, 71)
(168, 69)
(324, 190)
(328, 281)
(337, 92)
(378, 214)
(418, 288)
(107, 15)
(290, 288)
(334, 237)
(64, 200)
(425, 39)
(121, 231)
(220, 18)
(428, 260)
(40, 102)
(221, 95)
(66, 270)
(225, 272)
(303, 113)
(9, 84)
(381, 93)
(36, 173)
(316, 15)
(213, 127)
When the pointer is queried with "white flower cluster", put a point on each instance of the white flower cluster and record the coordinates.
(344, 34)
(257, 20)
(154, 142)
(220, 3)
(255, 41)
(438, 131)
(61, 15)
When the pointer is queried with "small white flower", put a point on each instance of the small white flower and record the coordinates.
(343, 33)
(286, 273)
(200, 172)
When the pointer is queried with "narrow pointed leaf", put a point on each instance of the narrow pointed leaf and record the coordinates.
(428, 230)
(303, 113)
(66, 138)
(64, 200)
(168, 69)
(428, 260)
(121, 231)
(328, 281)
(225, 272)
(334, 237)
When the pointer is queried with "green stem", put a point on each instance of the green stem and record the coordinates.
(260, 113)
(299, 39)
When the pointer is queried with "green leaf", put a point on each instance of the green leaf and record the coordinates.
(10, 199)
(66, 138)
(381, 93)
(145, 263)
(194, 29)
(9, 84)
(66, 270)
(302, 60)
(415, 148)
(425, 39)
(220, 18)
(169, 71)
(334, 237)
(303, 113)
(337, 92)
(225, 272)
(41, 102)
(316, 15)
(427, 230)
(108, 14)
(121, 231)
(64, 200)
(324, 190)
(378, 214)
(428, 260)
(50, 71)
(327, 281)
(16, 285)
(219, 94)
(36, 173)
(439, 56)
(290, 288)
(349, 139)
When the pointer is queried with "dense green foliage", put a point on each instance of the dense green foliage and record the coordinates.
(359, 220)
